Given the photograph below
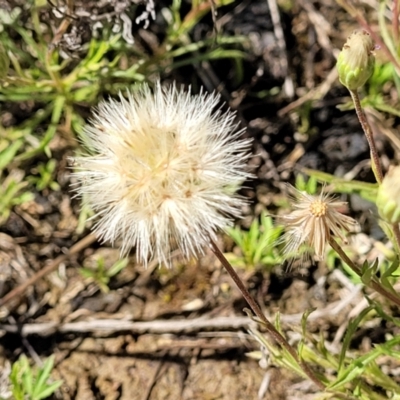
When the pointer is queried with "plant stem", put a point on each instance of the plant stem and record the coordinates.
(396, 232)
(375, 161)
(376, 164)
(374, 284)
(257, 311)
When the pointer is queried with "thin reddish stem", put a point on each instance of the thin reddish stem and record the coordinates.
(374, 284)
(375, 161)
(257, 311)
(376, 164)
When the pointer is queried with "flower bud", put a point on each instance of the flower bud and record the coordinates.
(355, 63)
(388, 199)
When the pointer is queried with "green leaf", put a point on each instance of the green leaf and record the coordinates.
(8, 154)
(389, 274)
(351, 329)
(353, 371)
(48, 390)
(367, 191)
(117, 267)
(27, 375)
(304, 318)
(42, 376)
(87, 272)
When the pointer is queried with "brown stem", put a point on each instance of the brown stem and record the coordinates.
(376, 164)
(373, 283)
(257, 311)
(76, 248)
(396, 232)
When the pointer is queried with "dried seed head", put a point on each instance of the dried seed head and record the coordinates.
(356, 61)
(388, 199)
(313, 222)
(164, 171)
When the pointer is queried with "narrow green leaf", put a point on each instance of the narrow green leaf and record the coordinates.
(351, 329)
(48, 390)
(8, 154)
(43, 375)
(117, 267)
(354, 370)
(27, 375)
(393, 268)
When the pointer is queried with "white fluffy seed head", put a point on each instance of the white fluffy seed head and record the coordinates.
(311, 225)
(163, 171)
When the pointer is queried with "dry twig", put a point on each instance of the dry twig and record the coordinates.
(20, 290)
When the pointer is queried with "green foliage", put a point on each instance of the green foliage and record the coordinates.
(332, 260)
(13, 193)
(367, 191)
(102, 275)
(356, 376)
(45, 176)
(309, 186)
(305, 126)
(4, 62)
(32, 383)
(34, 71)
(257, 245)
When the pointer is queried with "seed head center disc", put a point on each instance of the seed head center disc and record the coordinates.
(318, 208)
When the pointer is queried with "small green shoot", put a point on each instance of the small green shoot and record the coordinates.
(13, 193)
(44, 176)
(366, 190)
(102, 275)
(32, 383)
(257, 245)
(309, 186)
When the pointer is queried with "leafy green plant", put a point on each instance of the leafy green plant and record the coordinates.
(32, 383)
(309, 185)
(34, 68)
(357, 374)
(45, 176)
(366, 190)
(257, 245)
(13, 193)
(357, 377)
(102, 275)
(38, 71)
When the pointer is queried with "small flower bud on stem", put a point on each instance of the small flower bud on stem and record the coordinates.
(356, 61)
(355, 65)
(375, 161)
